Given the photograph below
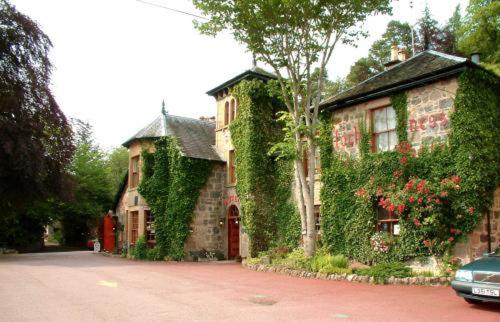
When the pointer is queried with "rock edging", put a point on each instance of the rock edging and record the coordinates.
(420, 280)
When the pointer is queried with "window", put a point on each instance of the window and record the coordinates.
(384, 129)
(134, 170)
(226, 114)
(233, 109)
(150, 226)
(387, 221)
(134, 227)
(317, 215)
(232, 172)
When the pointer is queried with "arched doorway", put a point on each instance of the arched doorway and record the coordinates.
(233, 232)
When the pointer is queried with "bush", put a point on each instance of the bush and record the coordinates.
(295, 260)
(153, 254)
(381, 272)
(323, 260)
(140, 251)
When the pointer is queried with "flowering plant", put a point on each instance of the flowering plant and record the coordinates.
(381, 242)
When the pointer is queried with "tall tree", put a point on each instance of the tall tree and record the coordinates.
(428, 30)
(480, 31)
(294, 37)
(35, 138)
(448, 40)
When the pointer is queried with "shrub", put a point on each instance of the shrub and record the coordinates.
(329, 269)
(295, 260)
(153, 254)
(141, 249)
(381, 272)
(322, 260)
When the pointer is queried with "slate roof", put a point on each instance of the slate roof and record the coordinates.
(196, 138)
(424, 67)
(255, 72)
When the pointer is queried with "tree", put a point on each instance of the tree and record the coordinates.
(294, 37)
(480, 31)
(396, 33)
(117, 165)
(92, 189)
(428, 30)
(35, 138)
(448, 41)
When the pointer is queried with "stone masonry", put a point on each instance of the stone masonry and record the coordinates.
(207, 234)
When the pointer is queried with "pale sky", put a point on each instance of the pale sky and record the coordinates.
(116, 60)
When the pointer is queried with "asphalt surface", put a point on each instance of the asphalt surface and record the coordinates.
(82, 286)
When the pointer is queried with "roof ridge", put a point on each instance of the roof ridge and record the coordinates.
(447, 56)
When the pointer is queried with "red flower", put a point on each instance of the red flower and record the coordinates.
(455, 179)
(380, 191)
(451, 239)
(409, 185)
(403, 160)
(437, 200)
(397, 174)
(420, 200)
(452, 231)
(416, 222)
(444, 194)
(421, 186)
(401, 208)
(471, 210)
(381, 202)
(391, 208)
(360, 193)
(411, 199)
(427, 243)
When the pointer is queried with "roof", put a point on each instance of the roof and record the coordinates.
(196, 138)
(255, 72)
(427, 66)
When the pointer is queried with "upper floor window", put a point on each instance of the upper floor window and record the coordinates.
(384, 129)
(134, 171)
(233, 109)
(226, 114)
(232, 168)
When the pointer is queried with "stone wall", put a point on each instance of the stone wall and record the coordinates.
(429, 109)
(207, 232)
(477, 241)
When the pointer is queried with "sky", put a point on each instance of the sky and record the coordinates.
(116, 60)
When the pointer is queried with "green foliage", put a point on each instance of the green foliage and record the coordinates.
(117, 164)
(480, 30)
(36, 144)
(400, 103)
(171, 184)
(140, 250)
(323, 261)
(439, 196)
(264, 182)
(153, 254)
(382, 272)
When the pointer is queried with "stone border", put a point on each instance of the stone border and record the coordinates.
(427, 281)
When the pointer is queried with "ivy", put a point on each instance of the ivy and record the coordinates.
(263, 182)
(399, 102)
(439, 195)
(171, 185)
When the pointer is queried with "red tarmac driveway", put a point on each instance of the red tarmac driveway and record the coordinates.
(82, 286)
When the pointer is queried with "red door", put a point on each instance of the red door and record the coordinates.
(109, 233)
(233, 231)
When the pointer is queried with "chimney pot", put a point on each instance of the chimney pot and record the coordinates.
(394, 52)
(402, 54)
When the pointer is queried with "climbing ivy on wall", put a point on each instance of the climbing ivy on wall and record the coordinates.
(439, 195)
(263, 183)
(171, 186)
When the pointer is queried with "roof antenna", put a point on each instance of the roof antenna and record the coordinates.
(163, 110)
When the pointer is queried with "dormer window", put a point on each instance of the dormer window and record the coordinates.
(226, 114)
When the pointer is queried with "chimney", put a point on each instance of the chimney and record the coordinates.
(475, 58)
(402, 55)
(396, 55)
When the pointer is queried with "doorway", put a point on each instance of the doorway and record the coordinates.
(233, 232)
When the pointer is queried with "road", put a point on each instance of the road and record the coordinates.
(82, 286)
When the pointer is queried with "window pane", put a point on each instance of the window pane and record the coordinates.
(393, 140)
(380, 120)
(382, 142)
(391, 118)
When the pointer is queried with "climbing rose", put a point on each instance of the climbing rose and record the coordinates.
(451, 239)
(427, 243)
(420, 200)
(444, 194)
(411, 199)
(391, 208)
(471, 210)
(455, 179)
(416, 222)
(403, 160)
(401, 208)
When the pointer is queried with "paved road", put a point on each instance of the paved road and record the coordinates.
(81, 286)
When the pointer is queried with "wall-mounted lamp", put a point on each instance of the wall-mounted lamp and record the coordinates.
(222, 221)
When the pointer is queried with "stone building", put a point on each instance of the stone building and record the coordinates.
(216, 222)
(430, 81)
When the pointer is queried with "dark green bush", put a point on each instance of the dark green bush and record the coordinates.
(381, 272)
(140, 251)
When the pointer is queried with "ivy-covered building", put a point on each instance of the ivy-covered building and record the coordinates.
(197, 194)
(410, 161)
